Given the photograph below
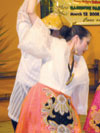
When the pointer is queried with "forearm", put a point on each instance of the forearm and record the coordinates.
(31, 6)
(31, 10)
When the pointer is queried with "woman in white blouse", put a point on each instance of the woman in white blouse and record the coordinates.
(65, 72)
(32, 58)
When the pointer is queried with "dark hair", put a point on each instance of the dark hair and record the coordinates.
(55, 33)
(69, 32)
(51, 31)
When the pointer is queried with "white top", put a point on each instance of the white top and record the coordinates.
(55, 73)
(33, 41)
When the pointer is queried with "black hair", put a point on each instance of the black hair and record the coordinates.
(55, 33)
(69, 32)
(51, 31)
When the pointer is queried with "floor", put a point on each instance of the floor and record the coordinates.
(6, 86)
(5, 124)
(6, 127)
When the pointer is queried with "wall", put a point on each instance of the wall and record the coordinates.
(9, 58)
(94, 47)
(12, 54)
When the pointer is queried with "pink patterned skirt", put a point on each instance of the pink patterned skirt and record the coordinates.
(46, 110)
(92, 124)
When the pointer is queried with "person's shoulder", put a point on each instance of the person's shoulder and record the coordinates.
(59, 41)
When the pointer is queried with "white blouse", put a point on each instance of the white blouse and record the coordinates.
(55, 73)
(34, 43)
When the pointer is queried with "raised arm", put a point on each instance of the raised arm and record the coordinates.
(31, 10)
(34, 36)
(26, 16)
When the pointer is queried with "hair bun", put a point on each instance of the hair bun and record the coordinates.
(65, 31)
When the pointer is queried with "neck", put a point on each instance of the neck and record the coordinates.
(72, 47)
(71, 58)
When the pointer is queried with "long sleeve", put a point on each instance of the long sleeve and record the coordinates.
(80, 98)
(33, 39)
(36, 40)
(81, 87)
(60, 58)
(54, 73)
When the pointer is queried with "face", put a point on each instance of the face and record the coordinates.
(82, 45)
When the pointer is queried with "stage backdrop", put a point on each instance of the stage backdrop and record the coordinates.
(9, 53)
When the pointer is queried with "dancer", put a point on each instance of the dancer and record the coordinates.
(32, 58)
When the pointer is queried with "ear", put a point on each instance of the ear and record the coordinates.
(75, 39)
(75, 42)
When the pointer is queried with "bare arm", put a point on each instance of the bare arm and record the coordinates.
(31, 10)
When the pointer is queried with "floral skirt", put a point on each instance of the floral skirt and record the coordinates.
(92, 124)
(46, 110)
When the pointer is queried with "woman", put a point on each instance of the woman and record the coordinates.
(64, 75)
(34, 39)
(77, 39)
(92, 123)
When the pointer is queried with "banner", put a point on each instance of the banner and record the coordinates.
(79, 12)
